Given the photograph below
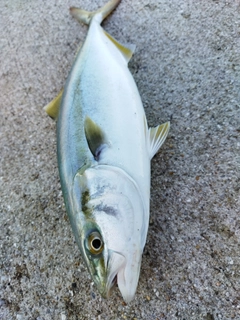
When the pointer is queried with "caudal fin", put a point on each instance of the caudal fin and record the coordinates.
(86, 16)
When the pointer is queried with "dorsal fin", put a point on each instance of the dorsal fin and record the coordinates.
(156, 137)
(95, 137)
(52, 108)
(126, 50)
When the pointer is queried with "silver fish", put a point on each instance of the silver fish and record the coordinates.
(104, 151)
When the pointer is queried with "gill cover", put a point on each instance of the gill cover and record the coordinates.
(107, 197)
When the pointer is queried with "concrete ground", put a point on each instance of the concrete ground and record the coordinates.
(187, 68)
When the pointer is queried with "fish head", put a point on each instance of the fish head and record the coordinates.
(109, 227)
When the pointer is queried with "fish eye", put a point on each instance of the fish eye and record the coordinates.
(95, 243)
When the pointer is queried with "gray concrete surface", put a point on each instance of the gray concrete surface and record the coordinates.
(187, 68)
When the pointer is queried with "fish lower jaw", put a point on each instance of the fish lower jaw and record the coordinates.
(112, 286)
(106, 290)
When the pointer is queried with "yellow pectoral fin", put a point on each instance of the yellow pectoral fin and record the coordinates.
(52, 108)
(95, 137)
(127, 51)
(156, 137)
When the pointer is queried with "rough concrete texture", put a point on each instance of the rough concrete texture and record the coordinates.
(187, 68)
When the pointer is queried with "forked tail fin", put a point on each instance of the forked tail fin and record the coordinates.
(86, 16)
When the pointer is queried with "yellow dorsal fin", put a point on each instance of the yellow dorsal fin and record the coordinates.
(52, 108)
(127, 51)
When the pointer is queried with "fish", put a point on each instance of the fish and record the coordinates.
(104, 151)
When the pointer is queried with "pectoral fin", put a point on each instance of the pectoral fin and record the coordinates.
(156, 137)
(52, 108)
(95, 137)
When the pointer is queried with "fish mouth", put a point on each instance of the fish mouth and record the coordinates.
(121, 272)
(116, 262)
(111, 285)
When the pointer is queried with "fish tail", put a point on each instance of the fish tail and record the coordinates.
(86, 16)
